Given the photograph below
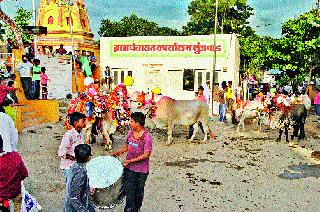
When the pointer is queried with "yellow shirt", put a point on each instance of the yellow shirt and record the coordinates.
(229, 93)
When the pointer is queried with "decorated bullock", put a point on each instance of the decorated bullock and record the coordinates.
(256, 110)
(105, 113)
(293, 115)
(163, 111)
(279, 113)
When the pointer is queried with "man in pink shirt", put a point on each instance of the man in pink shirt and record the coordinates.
(200, 98)
(70, 140)
(138, 147)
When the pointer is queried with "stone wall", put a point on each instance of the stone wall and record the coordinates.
(59, 71)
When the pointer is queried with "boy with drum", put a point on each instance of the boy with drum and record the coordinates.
(78, 197)
(138, 147)
(70, 140)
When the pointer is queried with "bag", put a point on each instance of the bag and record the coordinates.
(29, 203)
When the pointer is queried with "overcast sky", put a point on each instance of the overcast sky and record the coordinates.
(269, 14)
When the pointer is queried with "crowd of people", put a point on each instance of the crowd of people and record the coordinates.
(74, 153)
(34, 79)
(85, 60)
(225, 102)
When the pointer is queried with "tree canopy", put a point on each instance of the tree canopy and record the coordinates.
(300, 45)
(233, 17)
(296, 52)
(22, 18)
(133, 26)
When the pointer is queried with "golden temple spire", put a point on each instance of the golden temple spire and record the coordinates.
(54, 14)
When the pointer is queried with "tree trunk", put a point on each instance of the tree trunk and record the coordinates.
(310, 75)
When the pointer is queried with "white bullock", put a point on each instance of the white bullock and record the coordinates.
(170, 112)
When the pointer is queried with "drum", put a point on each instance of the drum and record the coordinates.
(105, 175)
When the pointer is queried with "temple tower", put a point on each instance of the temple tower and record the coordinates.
(54, 14)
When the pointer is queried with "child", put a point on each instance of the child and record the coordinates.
(4, 90)
(12, 94)
(78, 197)
(36, 79)
(44, 82)
(16, 86)
(70, 140)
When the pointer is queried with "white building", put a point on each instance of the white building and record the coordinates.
(176, 64)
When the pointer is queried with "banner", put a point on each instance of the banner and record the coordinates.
(167, 48)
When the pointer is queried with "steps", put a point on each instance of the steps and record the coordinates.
(36, 112)
(31, 117)
(33, 113)
(33, 122)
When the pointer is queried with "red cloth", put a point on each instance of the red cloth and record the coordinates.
(12, 172)
(3, 91)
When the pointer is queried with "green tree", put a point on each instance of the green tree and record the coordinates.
(233, 17)
(300, 45)
(22, 18)
(133, 26)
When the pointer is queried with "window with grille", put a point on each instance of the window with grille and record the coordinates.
(188, 79)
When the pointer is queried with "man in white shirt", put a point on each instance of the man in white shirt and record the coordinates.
(8, 132)
(24, 69)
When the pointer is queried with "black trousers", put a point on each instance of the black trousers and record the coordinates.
(27, 86)
(134, 183)
(36, 89)
(299, 126)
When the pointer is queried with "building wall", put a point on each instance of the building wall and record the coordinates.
(166, 68)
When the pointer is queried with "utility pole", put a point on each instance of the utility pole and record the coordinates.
(73, 54)
(215, 53)
(35, 24)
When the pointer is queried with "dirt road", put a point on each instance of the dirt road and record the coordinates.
(249, 171)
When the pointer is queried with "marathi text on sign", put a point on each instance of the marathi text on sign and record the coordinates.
(196, 49)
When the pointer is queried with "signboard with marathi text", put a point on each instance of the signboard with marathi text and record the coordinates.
(167, 48)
